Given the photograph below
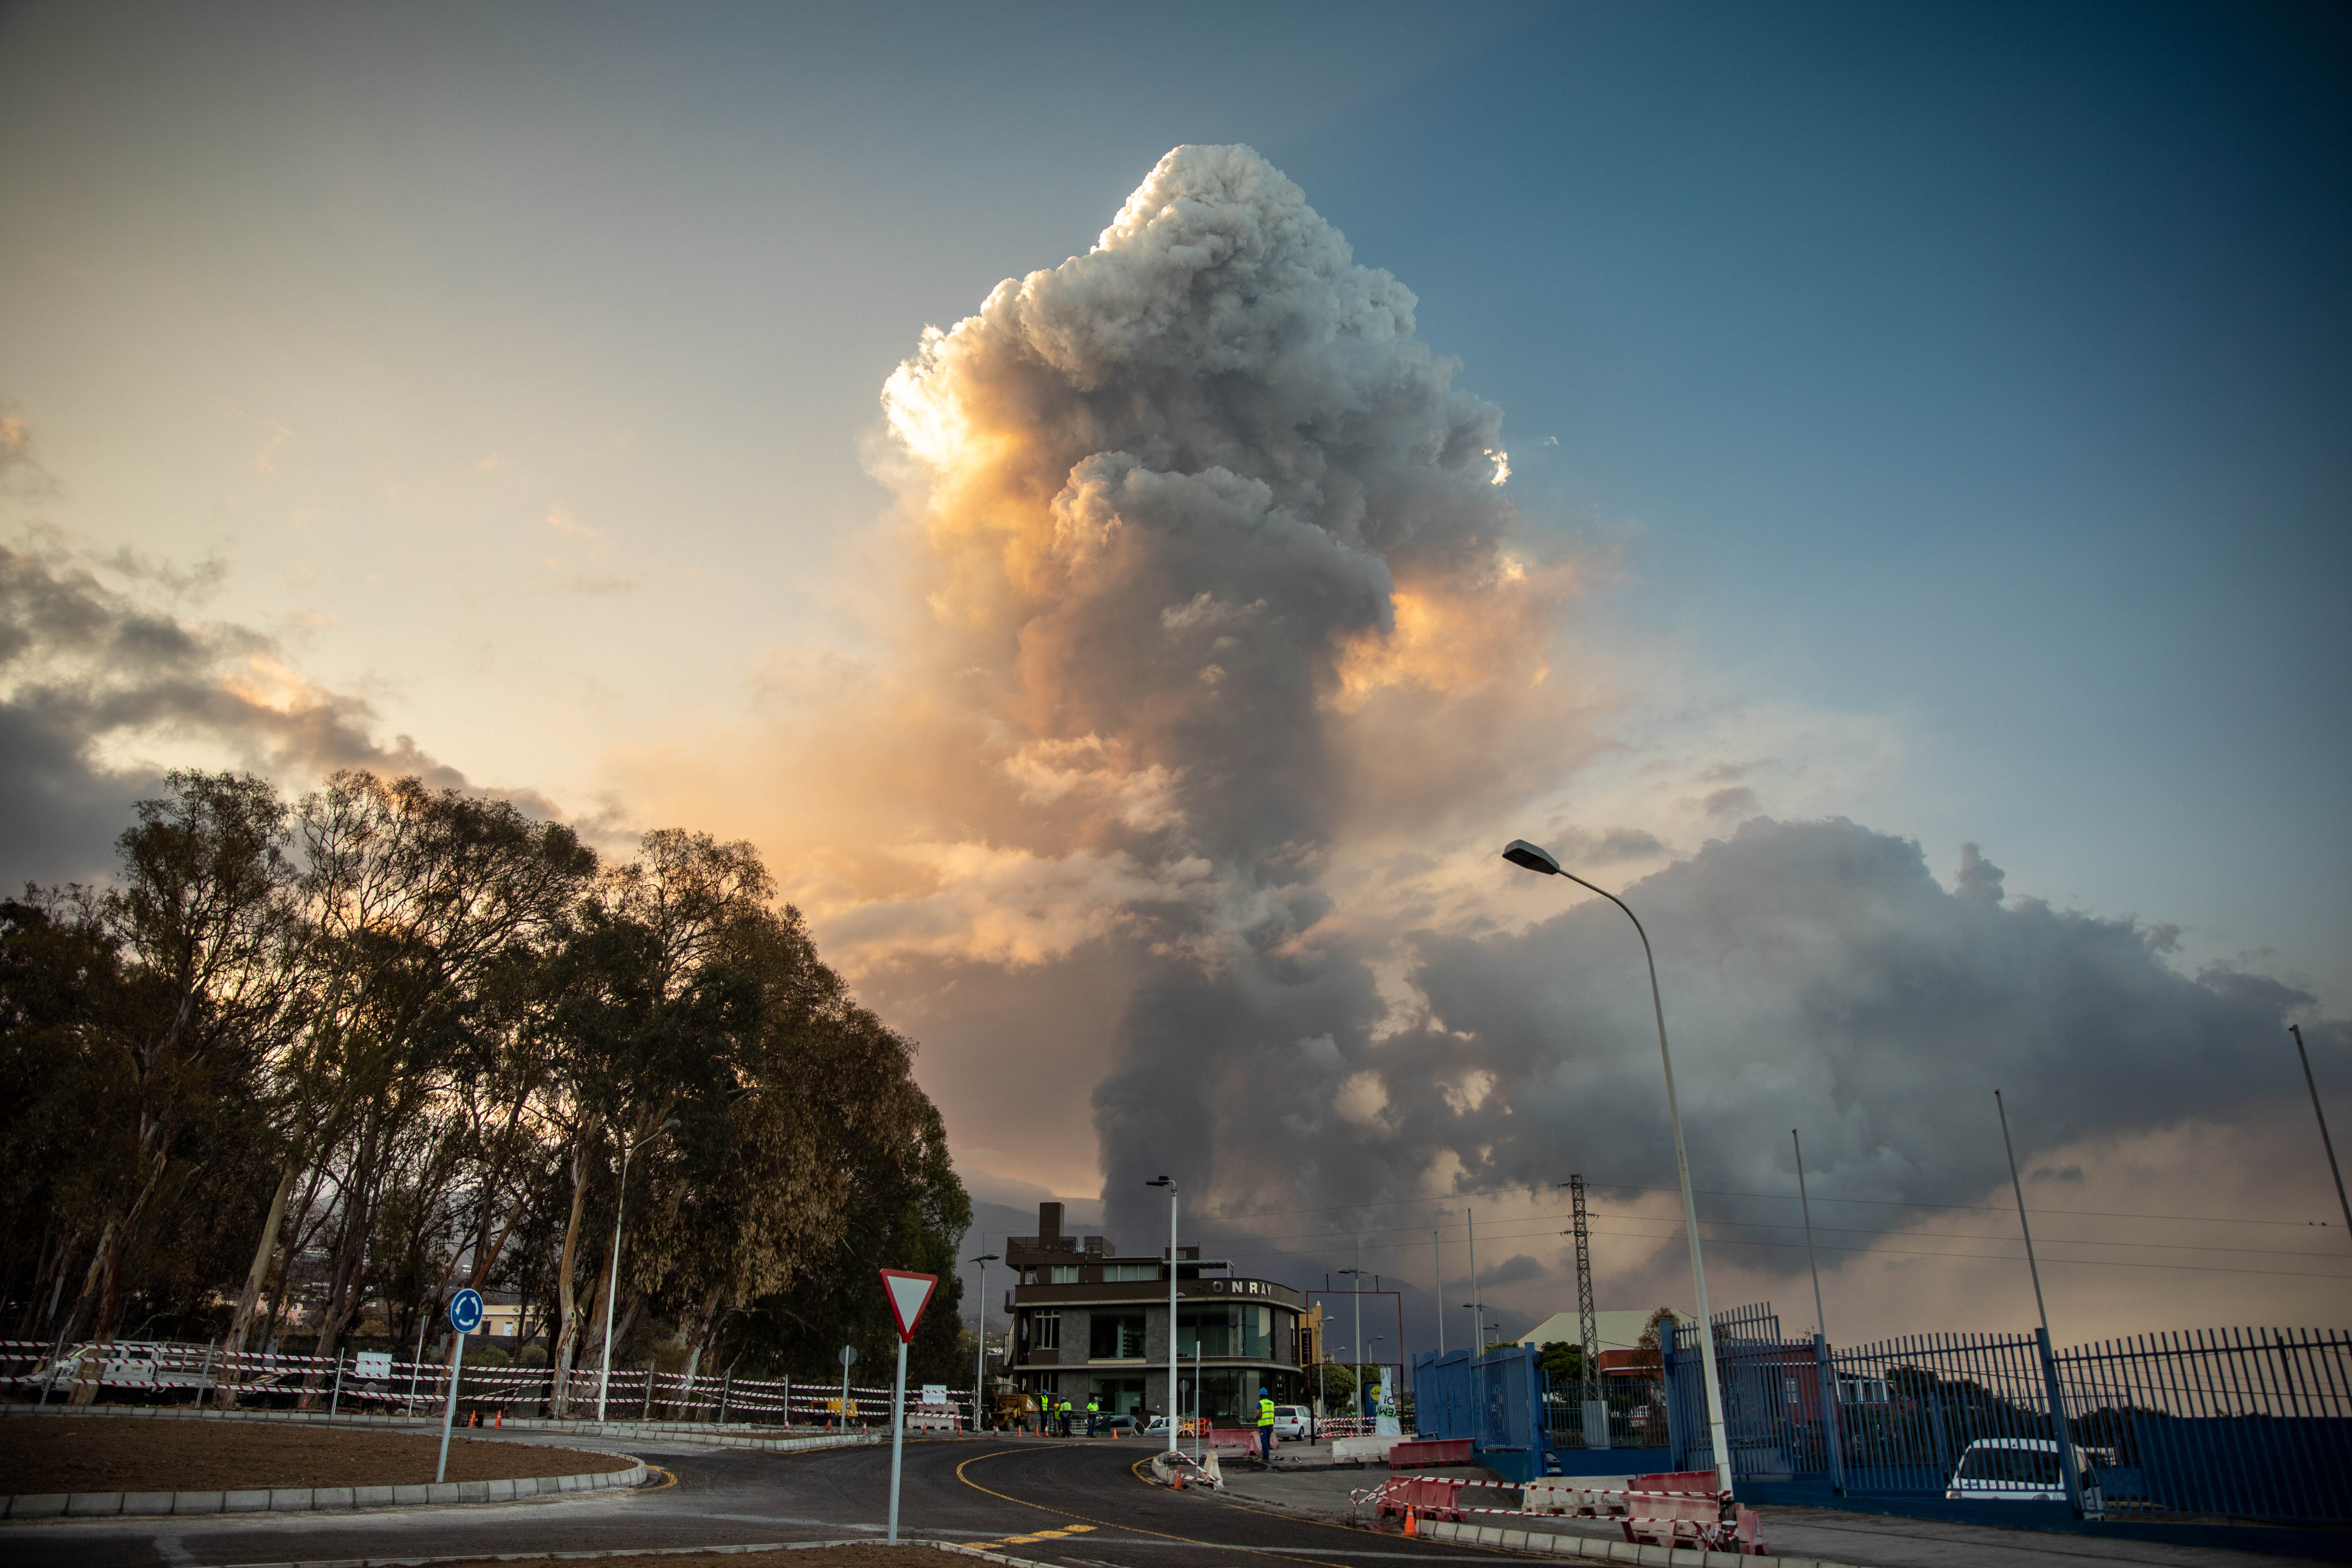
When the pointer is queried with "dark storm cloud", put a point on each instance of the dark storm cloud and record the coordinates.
(85, 668)
(1814, 974)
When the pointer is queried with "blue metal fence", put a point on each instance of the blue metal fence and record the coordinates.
(2229, 1423)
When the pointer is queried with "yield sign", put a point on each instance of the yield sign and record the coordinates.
(908, 1294)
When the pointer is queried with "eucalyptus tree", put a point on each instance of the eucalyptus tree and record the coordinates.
(744, 1201)
(203, 918)
(414, 901)
(655, 1009)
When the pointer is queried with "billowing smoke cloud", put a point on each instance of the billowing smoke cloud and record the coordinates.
(1225, 561)
(1242, 630)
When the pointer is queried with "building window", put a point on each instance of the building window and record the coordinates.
(1116, 1336)
(1118, 1273)
(1062, 1273)
(1045, 1331)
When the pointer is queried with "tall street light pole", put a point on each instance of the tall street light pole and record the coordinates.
(613, 1285)
(1175, 1415)
(1437, 1252)
(1356, 1294)
(980, 1356)
(1532, 858)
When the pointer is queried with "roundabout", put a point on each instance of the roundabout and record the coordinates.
(1075, 1505)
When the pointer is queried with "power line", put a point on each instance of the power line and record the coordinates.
(1751, 1225)
(1882, 1251)
(1531, 1189)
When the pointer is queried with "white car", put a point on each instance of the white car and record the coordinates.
(2014, 1470)
(1294, 1424)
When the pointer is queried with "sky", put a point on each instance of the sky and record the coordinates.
(1867, 483)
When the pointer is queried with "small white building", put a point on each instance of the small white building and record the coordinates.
(1617, 1330)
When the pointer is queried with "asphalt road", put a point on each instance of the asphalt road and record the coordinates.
(977, 1492)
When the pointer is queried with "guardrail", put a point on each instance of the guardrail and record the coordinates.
(132, 1369)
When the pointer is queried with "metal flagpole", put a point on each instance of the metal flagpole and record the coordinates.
(2031, 1267)
(2296, 1031)
(2049, 1371)
(1824, 1378)
(1821, 1322)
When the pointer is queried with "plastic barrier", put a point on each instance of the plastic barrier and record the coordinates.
(1431, 1451)
(1710, 1520)
(1422, 1497)
(1572, 1497)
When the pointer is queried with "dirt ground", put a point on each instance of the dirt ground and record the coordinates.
(874, 1556)
(93, 1454)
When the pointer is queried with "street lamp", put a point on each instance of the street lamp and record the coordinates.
(613, 1285)
(1175, 1418)
(980, 1356)
(1356, 1293)
(1532, 858)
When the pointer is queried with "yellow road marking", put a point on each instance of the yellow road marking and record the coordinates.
(1112, 1523)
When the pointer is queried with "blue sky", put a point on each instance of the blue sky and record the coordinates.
(1984, 367)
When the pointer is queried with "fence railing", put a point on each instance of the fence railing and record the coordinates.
(1616, 1413)
(2234, 1423)
(188, 1373)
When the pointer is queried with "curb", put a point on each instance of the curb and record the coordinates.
(642, 1552)
(704, 1434)
(1595, 1549)
(310, 1500)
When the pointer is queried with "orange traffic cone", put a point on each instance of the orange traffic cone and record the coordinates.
(1412, 1523)
(500, 1423)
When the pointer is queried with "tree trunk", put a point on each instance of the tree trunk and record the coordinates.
(700, 1326)
(85, 1304)
(568, 1337)
(247, 1300)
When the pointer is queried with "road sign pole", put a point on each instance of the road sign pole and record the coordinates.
(898, 1437)
(449, 1411)
(465, 1317)
(908, 1294)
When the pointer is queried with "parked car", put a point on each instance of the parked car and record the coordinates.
(2014, 1469)
(1294, 1424)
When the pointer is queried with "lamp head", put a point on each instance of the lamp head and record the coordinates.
(1531, 857)
(1159, 1181)
(985, 1257)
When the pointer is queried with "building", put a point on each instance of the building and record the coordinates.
(1089, 1324)
(1616, 1331)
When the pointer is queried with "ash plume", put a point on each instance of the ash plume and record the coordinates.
(1247, 665)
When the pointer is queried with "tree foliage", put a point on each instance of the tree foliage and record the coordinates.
(310, 1068)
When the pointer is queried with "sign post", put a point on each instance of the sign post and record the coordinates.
(465, 1316)
(908, 1293)
(848, 1360)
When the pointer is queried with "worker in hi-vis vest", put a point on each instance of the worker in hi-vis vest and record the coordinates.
(1093, 1411)
(1265, 1426)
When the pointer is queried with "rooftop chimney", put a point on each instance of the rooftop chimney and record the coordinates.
(1049, 1222)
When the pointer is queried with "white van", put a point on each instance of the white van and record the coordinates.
(1294, 1424)
(2014, 1469)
